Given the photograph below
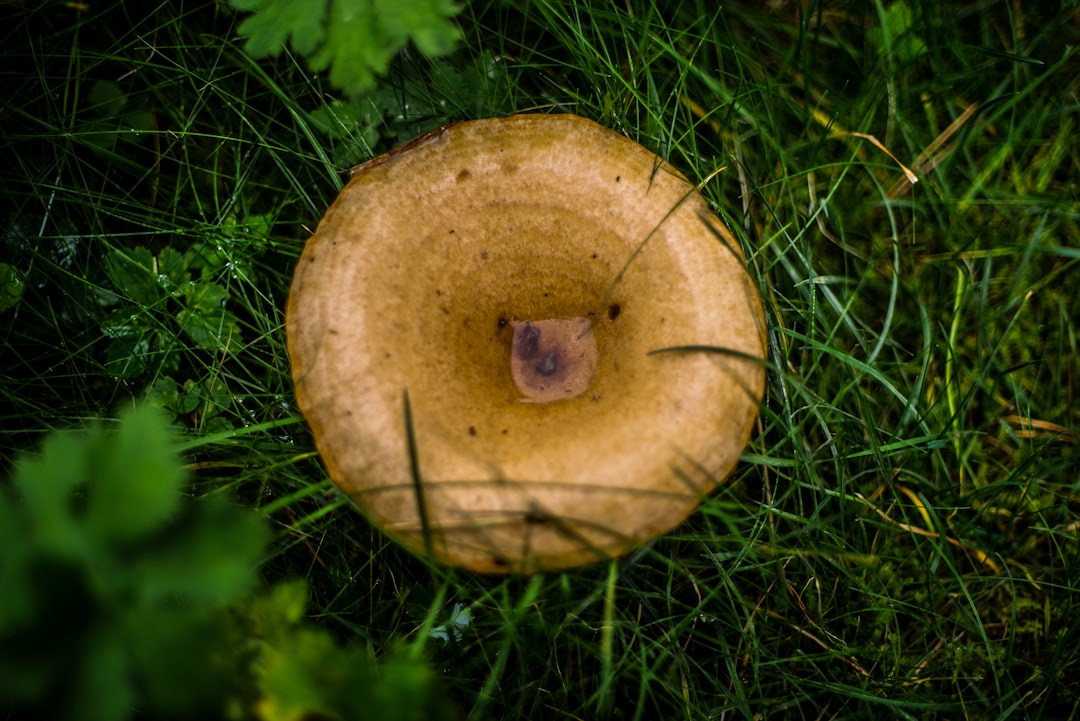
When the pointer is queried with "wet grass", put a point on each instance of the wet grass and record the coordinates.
(901, 537)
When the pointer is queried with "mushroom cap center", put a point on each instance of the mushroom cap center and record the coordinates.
(552, 360)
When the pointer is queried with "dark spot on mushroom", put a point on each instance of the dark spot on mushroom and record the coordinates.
(333, 331)
(528, 341)
(438, 292)
(483, 255)
(463, 174)
(618, 178)
(311, 259)
(499, 561)
(505, 431)
(503, 321)
(466, 323)
(450, 232)
(549, 366)
(472, 430)
(613, 311)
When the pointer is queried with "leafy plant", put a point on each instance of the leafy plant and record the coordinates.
(113, 579)
(145, 283)
(900, 541)
(122, 594)
(354, 39)
(158, 301)
(394, 115)
(303, 674)
(12, 286)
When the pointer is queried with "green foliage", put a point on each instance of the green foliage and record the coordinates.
(900, 540)
(12, 286)
(387, 115)
(106, 109)
(167, 311)
(897, 36)
(303, 673)
(355, 39)
(120, 593)
(145, 286)
(112, 578)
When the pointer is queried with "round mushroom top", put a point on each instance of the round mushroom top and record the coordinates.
(475, 327)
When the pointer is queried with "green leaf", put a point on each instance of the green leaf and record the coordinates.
(338, 119)
(353, 50)
(255, 227)
(17, 601)
(187, 560)
(126, 322)
(172, 269)
(106, 98)
(272, 615)
(132, 273)
(192, 397)
(422, 20)
(189, 680)
(296, 678)
(304, 674)
(12, 286)
(897, 34)
(205, 320)
(164, 395)
(308, 675)
(135, 478)
(128, 357)
(210, 330)
(353, 124)
(103, 691)
(206, 259)
(275, 22)
(46, 485)
(113, 582)
(205, 296)
(355, 39)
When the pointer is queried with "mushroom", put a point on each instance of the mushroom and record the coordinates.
(525, 344)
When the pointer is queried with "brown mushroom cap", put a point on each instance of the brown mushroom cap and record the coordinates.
(430, 262)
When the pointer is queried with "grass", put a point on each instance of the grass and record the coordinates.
(901, 538)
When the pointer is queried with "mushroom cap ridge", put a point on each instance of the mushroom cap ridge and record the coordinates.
(412, 283)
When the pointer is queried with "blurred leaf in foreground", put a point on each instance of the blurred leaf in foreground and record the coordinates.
(113, 580)
(355, 39)
(122, 597)
(303, 674)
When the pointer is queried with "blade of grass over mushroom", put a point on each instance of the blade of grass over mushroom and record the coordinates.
(741, 355)
(414, 473)
(605, 300)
